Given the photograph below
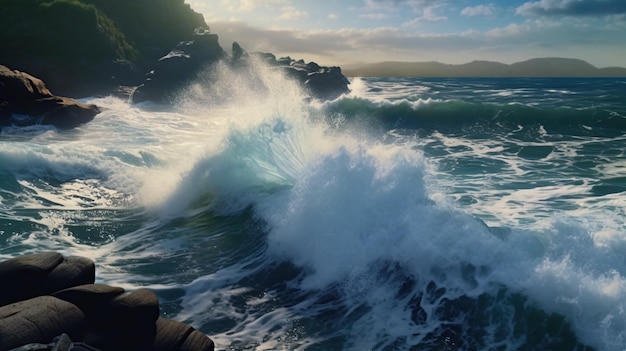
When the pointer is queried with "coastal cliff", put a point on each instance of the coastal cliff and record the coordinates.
(159, 45)
(106, 43)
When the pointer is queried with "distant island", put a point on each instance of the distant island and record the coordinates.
(537, 67)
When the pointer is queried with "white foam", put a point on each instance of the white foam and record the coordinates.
(341, 206)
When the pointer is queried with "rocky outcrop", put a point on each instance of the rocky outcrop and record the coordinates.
(48, 299)
(25, 100)
(324, 83)
(181, 65)
(188, 60)
(112, 43)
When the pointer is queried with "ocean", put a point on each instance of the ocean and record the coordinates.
(412, 214)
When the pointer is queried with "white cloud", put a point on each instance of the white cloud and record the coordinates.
(479, 10)
(511, 43)
(332, 16)
(428, 15)
(290, 12)
(381, 5)
(249, 5)
(512, 30)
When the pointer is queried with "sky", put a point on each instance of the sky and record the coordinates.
(342, 32)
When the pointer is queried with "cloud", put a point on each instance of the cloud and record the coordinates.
(249, 5)
(290, 12)
(578, 8)
(479, 10)
(402, 5)
(428, 15)
(332, 16)
(515, 42)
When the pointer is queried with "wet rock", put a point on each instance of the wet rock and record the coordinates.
(323, 83)
(176, 336)
(25, 100)
(94, 316)
(38, 320)
(189, 60)
(33, 275)
(180, 66)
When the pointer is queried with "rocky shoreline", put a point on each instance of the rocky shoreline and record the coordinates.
(143, 50)
(187, 61)
(25, 100)
(51, 302)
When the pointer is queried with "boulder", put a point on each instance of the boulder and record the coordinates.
(322, 83)
(127, 322)
(33, 275)
(25, 100)
(47, 295)
(176, 336)
(38, 320)
(327, 83)
(90, 298)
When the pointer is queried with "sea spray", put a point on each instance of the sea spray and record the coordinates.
(359, 219)
(454, 214)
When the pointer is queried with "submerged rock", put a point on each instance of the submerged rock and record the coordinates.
(25, 100)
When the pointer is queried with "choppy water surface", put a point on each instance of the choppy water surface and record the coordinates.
(422, 214)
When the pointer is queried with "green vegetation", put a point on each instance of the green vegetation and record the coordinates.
(59, 29)
(152, 27)
(71, 40)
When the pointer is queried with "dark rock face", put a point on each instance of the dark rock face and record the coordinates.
(185, 62)
(112, 43)
(41, 274)
(49, 301)
(323, 83)
(24, 95)
(176, 69)
(38, 320)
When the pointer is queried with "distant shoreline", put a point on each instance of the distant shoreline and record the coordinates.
(492, 77)
(552, 67)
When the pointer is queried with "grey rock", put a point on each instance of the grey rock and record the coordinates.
(38, 320)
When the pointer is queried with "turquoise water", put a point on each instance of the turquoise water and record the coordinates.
(413, 214)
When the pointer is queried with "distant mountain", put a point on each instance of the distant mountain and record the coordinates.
(537, 67)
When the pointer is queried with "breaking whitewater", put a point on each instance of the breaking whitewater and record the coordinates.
(412, 214)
